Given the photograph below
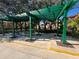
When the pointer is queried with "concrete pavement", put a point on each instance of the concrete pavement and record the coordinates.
(16, 51)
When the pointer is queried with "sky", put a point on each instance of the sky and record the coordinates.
(75, 10)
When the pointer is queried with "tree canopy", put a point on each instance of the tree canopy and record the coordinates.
(20, 6)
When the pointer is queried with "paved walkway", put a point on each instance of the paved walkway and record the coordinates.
(39, 49)
(17, 51)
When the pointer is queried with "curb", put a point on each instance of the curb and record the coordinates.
(64, 51)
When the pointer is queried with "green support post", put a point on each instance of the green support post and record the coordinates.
(30, 27)
(21, 27)
(2, 24)
(64, 28)
(25, 28)
(13, 28)
(16, 27)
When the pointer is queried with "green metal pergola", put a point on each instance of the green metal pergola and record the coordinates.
(50, 13)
